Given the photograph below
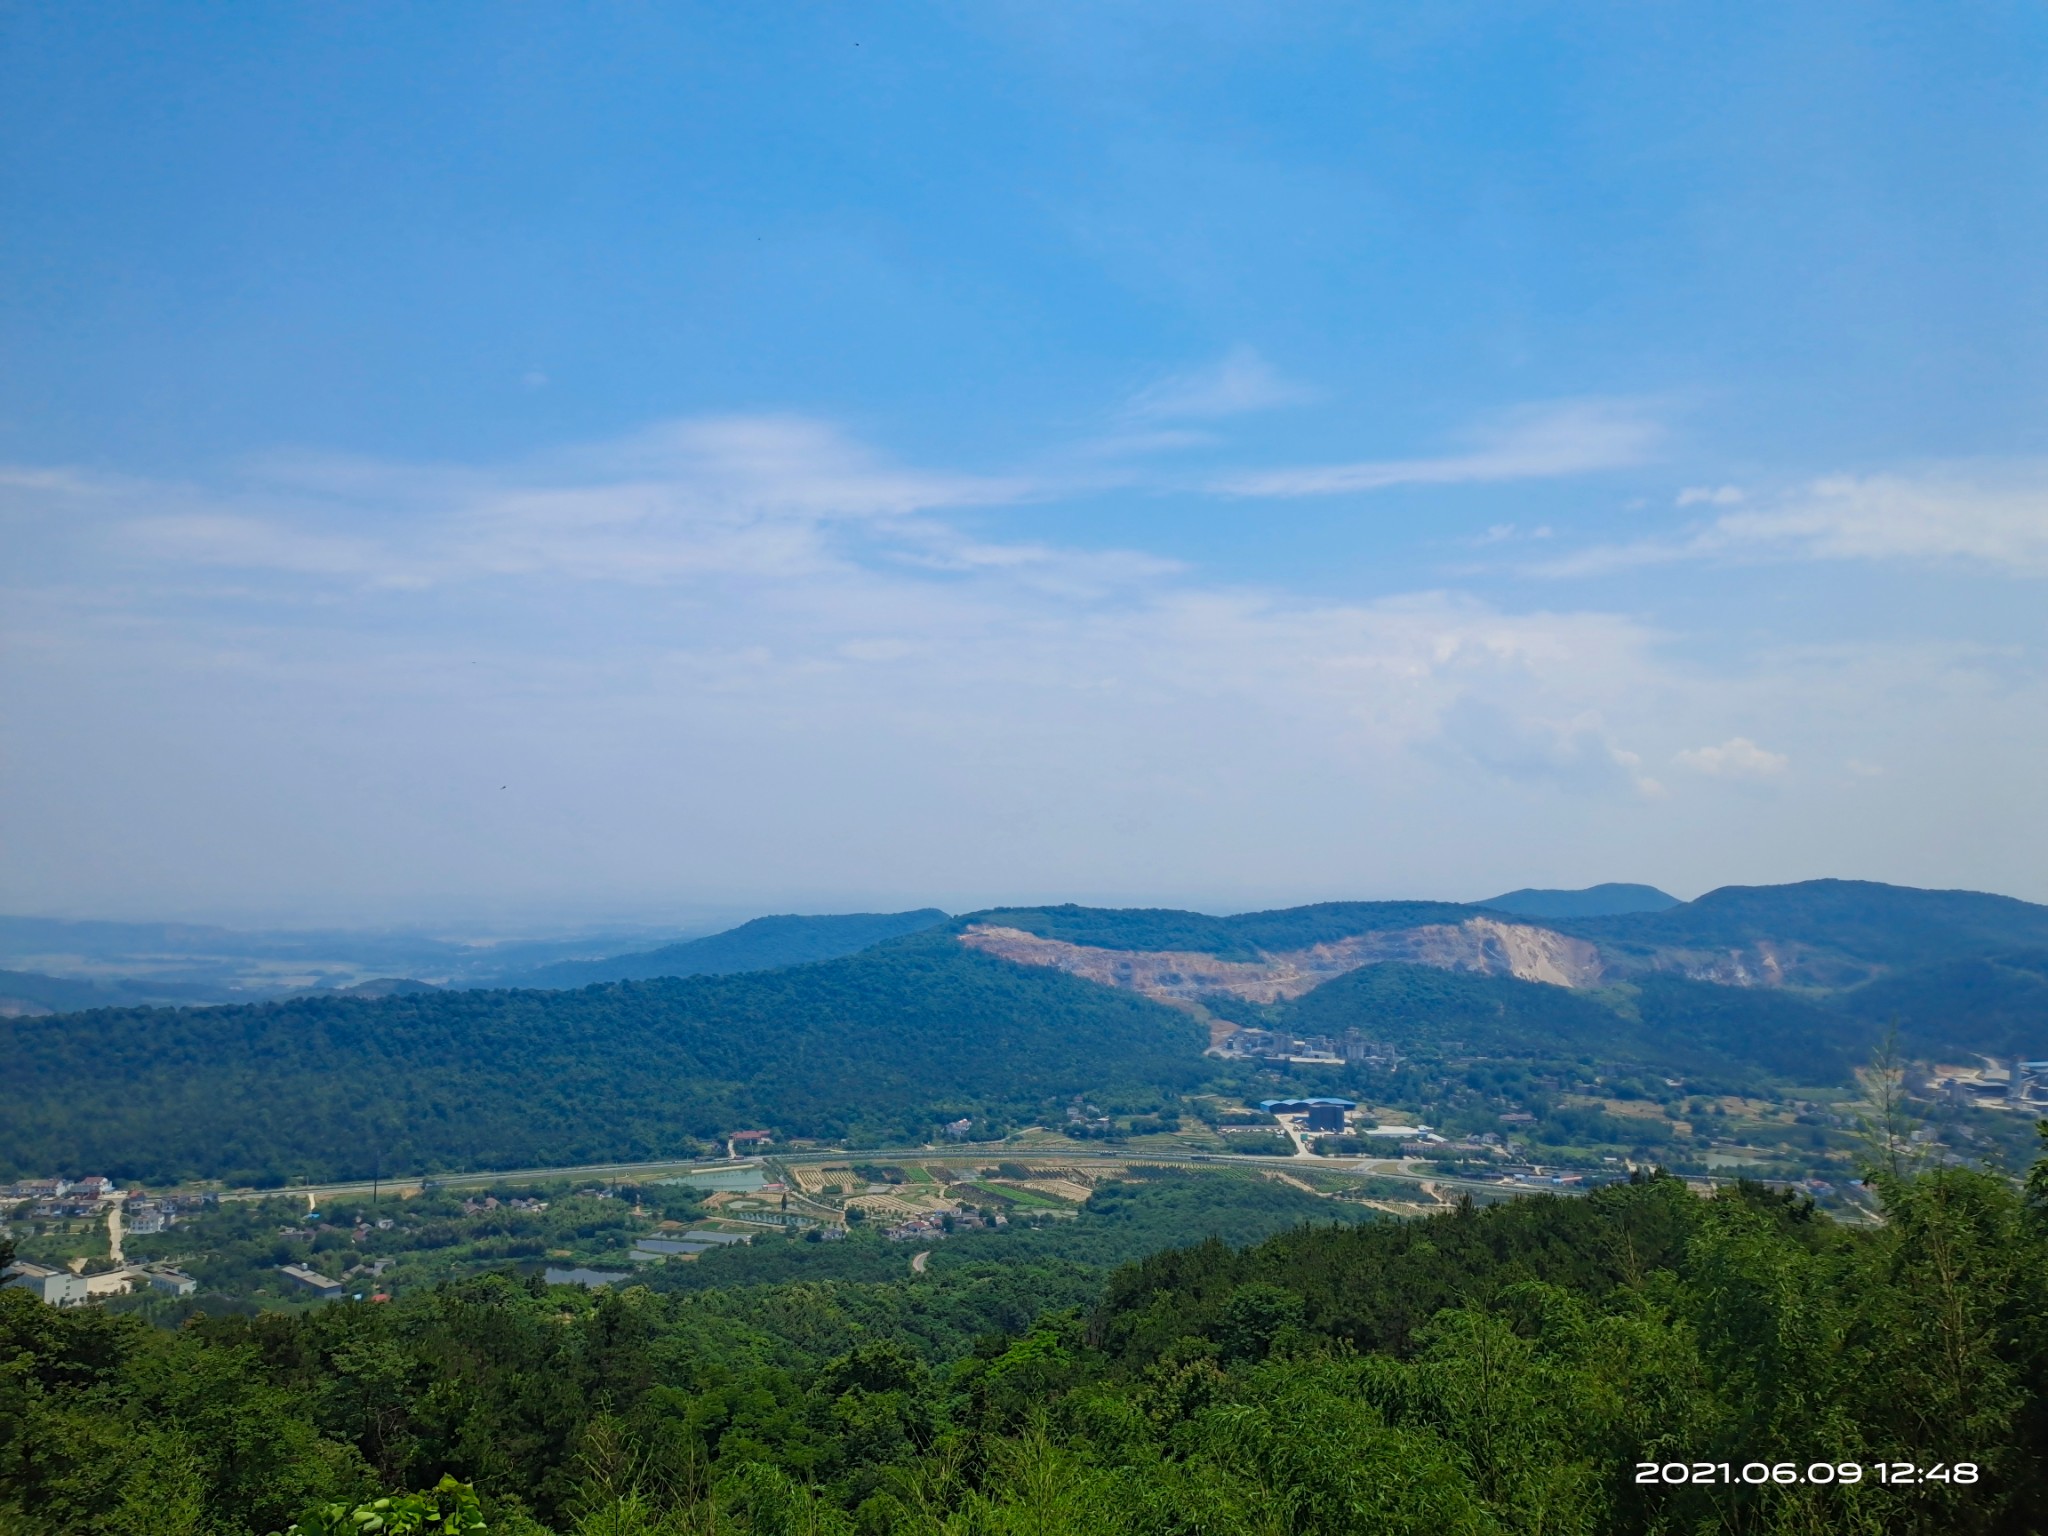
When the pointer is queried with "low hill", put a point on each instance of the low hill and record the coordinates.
(1728, 1033)
(764, 944)
(1997, 1004)
(31, 992)
(1609, 900)
(1410, 1006)
(886, 1044)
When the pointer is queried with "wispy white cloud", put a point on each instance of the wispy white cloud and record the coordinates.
(728, 496)
(1711, 496)
(1534, 443)
(1240, 383)
(1736, 758)
(1997, 521)
(755, 651)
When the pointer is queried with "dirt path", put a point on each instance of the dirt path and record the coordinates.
(917, 1261)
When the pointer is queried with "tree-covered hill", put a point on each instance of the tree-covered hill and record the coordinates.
(1611, 899)
(1728, 1033)
(1874, 925)
(764, 944)
(886, 1044)
(1849, 930)
(1993, 1003)
(1417, 1005)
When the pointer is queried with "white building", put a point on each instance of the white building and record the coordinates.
(57, 1287)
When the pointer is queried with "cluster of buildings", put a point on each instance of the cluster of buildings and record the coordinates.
(87, 1188)
(63, 1199)
(72, 1288)
(493, 1203)
(2024, 1087)
(1307, 1050)
(68, 1199)
(941, 1224)
(1319, 1115)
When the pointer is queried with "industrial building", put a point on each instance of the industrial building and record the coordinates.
(1323, 1114)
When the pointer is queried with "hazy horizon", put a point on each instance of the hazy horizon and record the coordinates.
(533, 467)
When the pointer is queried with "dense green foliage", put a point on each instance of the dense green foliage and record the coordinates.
(1121, 1221)
(886, 1044)
(1484, 1371)
(1728, 1033)
(1418, 1005)
(1862, 925)
(764, 944)
(1995, 1003)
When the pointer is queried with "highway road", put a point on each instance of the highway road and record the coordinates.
(1385, 1168)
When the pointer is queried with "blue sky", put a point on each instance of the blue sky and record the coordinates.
(476, 463)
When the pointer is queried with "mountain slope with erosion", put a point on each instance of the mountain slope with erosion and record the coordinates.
(1826, 935)
(1480, 944)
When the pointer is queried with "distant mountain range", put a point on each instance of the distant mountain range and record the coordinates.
(1819, 934)
(44, 961)
(1003, 1016)
(765, 944)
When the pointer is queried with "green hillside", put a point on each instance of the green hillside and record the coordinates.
(1730, 1033)
(57, 994)
(764, 944)
(1997, 1004)
(1415, 1005)
(1866, 924)
(883, 1045)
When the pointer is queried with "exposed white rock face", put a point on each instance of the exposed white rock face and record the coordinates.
(1482, 944)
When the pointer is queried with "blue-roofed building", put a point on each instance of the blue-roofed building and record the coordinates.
(1324, 1114)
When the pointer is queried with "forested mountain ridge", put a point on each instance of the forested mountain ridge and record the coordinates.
(883, 1045)
(1826, 933)
(1854, 929)
(886, 1044)
(1817, 937)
